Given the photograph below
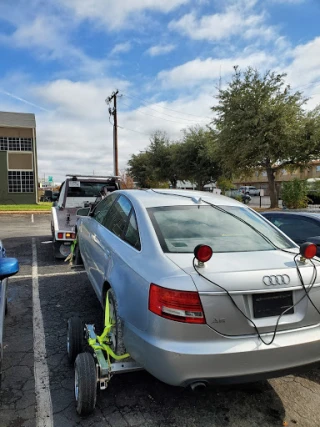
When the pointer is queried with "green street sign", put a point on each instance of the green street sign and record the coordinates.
(50, 179)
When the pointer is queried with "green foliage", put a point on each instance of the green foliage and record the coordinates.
(238, 198)
(195, 157)
(192, 159)
(294, 194)
(260, 123)
(224, 184)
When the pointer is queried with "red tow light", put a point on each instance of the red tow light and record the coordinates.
(308, 250)
(203, 253)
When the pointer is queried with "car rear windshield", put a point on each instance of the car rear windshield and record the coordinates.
(182, 228)
(86, 189)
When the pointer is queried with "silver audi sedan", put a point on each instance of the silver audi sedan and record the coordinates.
(207, 290)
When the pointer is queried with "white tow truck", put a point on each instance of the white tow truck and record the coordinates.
(77, 191)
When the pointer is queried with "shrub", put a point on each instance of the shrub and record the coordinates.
(294, 194)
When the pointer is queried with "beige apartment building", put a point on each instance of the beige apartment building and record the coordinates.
(18, 159)
(259, 178)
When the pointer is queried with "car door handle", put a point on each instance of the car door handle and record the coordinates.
(95, 239)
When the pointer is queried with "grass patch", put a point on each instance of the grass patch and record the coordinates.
(42, 206)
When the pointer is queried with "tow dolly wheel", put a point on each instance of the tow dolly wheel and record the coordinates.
(85, 384)
(117, 343)
(75, 335)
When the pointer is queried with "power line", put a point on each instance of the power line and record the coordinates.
(133, 130)
(170, 109)
(157, 117)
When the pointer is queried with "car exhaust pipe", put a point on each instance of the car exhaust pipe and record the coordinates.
(198, 385)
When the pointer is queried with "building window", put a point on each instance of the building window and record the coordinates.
(15, 144)
(26, 144)
(318, 168)
(3, 143)
(20, 182)
(264, 173)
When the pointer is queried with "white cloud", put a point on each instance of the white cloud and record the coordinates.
(304, 67)
(47, 38)
(116, 14)
(121, 48)
(198, 71)
(238, 18)
(160, 49)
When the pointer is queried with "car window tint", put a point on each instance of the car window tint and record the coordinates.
(298, 228)
(103, 208)
(132, 234)
(182, 228)
(118, 216)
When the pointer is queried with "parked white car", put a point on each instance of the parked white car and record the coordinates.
(248, 189)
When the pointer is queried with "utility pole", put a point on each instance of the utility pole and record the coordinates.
(113, 112)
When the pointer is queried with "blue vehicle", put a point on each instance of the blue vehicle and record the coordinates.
(8, 267)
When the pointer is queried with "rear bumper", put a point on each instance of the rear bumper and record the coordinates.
(224, 360)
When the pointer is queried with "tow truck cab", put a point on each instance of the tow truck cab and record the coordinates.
(77, 191)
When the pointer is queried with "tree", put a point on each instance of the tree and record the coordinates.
(140, 169)
(260, 123)
(163, 158)
(195, 157)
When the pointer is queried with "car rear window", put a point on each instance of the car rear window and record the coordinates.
(87, 189)
(182, 228)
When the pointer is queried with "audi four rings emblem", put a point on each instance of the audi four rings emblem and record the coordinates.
(279, 279)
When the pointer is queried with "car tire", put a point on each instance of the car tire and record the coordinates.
(117, 331)
(75, 338)
(77, 258)
(85, 383)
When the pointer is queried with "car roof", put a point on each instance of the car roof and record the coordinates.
(313, 215)
(152, 198)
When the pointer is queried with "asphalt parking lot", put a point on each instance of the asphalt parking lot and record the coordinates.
(37, 376)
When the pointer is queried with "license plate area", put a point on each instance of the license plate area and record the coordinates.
(272, 304)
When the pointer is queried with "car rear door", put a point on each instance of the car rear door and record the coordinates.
(89, 240)
(114, 220)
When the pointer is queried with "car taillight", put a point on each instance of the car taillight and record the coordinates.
(182, 306)
(70, 236)
(60, 235)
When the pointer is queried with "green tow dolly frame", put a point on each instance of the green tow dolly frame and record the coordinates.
(94, 369)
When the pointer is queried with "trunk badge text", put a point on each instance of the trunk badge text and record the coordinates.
(279, 279)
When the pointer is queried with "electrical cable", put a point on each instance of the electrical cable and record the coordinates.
(306, 291)
(248, 318)
(157, 117)
(169, 109)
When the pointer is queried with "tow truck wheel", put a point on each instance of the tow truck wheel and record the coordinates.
(85, 384)
(116, 332)
(75, 335)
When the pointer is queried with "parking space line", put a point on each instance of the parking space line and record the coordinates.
(30, 276)
(41, 371)
(32, 218)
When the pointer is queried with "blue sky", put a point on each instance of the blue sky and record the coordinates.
(61, 59)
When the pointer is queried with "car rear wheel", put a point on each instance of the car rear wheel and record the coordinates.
(116, 331)
(85, 384)
(77, 256)
(75, 335)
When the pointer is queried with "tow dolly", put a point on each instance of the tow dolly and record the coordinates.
(95, 368)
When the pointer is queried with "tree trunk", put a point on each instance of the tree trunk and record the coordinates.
(272, 187)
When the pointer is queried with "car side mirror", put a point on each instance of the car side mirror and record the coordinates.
(8, 267)
(83, 211)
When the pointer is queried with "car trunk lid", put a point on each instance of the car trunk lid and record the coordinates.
(262, 284)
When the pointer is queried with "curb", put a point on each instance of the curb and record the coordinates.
(25, 212)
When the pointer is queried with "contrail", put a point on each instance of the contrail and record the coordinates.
(24, 100)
